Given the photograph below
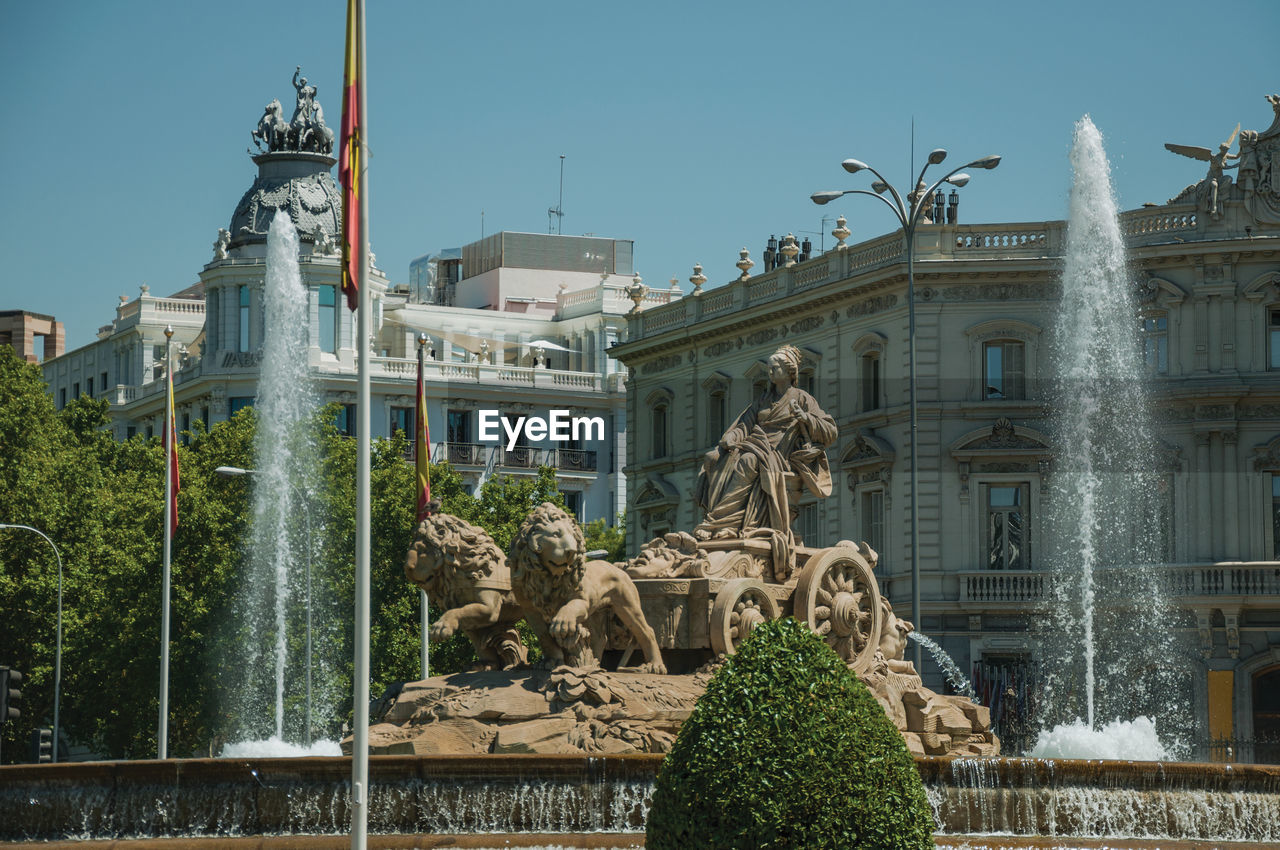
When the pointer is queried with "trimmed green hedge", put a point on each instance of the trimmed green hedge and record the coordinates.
(788, 749)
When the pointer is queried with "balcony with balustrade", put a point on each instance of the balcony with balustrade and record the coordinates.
(1235, 583)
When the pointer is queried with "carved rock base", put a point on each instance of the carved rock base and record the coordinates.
(589, 710)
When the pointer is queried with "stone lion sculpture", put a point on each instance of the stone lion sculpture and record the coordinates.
(464, 571)
(567, 598)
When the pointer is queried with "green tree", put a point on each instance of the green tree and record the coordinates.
(788, 749)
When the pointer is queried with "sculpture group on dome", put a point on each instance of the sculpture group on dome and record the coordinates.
(305, 132)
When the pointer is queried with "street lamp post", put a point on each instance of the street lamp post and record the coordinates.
(57, 655)
(908, 214)
(234, 471)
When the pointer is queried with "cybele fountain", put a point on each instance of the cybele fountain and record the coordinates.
(574, 749)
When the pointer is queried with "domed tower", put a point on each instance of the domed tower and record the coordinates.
(294, 159)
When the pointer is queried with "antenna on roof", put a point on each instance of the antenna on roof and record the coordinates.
(557, 212)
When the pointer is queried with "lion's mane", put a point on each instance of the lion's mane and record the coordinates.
(467, 556)
(545, 591)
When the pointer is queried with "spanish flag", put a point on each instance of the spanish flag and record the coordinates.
(171, 461)
(422, 447)
(349, 161)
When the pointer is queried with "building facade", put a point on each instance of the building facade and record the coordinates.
(1207, 270)
(527, 338)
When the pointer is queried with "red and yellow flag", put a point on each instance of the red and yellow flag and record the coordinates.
(171, 463)
(422, 447)
(349, 161)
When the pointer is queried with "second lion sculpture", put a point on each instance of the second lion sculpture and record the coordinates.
(567, 598)
(463, 571)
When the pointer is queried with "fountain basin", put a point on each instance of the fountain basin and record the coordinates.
(548, 794)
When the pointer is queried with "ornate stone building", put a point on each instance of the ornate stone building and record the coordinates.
(1207, 268)
(532, 338)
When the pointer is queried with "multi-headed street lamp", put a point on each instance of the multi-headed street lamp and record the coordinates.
(234, 471)
(909, 213)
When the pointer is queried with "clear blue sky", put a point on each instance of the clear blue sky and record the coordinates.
(692, 128)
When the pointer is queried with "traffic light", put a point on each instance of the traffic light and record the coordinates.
(9, 694)
(41, 746)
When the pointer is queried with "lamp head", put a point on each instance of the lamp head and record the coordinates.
(937, 155)
(958, 179)
(879, 187)
(987, 162)
(853, 166)
(827, 197)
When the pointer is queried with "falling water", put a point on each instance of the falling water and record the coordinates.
(949, 667)
(277, 548)
(1105, 640)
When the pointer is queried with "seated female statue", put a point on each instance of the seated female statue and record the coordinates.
(742, 485)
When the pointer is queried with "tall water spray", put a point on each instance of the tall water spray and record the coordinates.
(1108, 643)
(277, 546)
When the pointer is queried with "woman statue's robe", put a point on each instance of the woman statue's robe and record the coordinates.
(742, 487)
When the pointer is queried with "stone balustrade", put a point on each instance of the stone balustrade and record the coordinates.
(1181, 581)
(1002, 586)
(933, 243)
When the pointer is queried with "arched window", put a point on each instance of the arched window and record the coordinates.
(1004, 355)
(659, 404)
(869, 350)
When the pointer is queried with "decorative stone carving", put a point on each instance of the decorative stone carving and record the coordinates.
(675, 555)
(789, 250)
(875, 304)
(841, 233)
(743, 483)
(464, 571)
(567, 598)
(306, 132)
(220, 244)
(323, 244)
(808, 323)
(744, 264)
(1257, 184)
(636, 291)
(1210, 191)
(697, 279)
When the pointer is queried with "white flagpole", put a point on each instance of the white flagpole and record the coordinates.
(360, 697)
(162, 735)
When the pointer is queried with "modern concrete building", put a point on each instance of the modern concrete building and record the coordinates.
(19, 328)
(1207, 268)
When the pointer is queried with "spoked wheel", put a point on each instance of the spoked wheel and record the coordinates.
(740, 606)
(838, 597)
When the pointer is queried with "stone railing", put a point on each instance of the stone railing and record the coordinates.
(1143, 224)
(998, 586)
(1033, 239)
(520, 457)
(486, 373)
(607, 298)
(1255, 578)
(1181, 581)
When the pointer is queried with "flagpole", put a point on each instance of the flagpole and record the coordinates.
(162, 735)
(418, 449)
(360, 706)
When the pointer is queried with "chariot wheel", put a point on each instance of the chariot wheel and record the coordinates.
(837, 596)
(740, 606)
